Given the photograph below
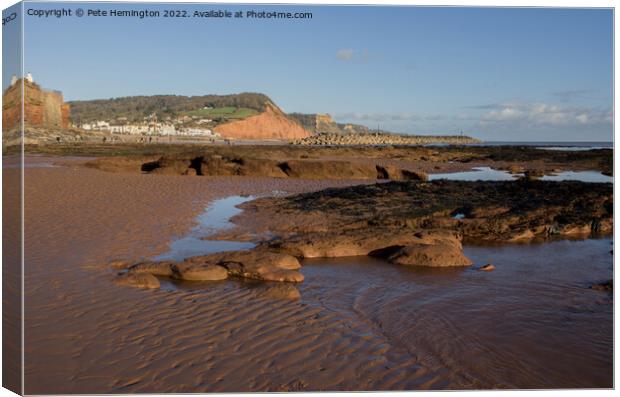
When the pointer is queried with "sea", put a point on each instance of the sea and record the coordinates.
(546, 145)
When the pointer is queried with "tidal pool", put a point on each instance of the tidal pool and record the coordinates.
(490, 174)
(215, 218)
(478, 174)
(583, 176)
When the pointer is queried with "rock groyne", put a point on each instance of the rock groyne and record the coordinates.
(327, 139)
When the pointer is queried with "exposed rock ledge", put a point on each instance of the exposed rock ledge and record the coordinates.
(277, 260)
(406, 223)
(217, 165)
(488, 211)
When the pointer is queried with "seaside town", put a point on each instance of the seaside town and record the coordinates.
(207, 118)
(152, 126)
(47, 108)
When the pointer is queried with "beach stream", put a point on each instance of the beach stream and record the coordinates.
(215, 218)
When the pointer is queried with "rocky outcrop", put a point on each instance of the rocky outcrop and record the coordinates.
(399, 246)
(405, 223)
(217, 165)
(399, 174)
(200, 272)
(353, 219)
(270, 124)
(438, 254)
(138, 280)
(262, 265)
(257, 264)
(277, 260)
(43, 109)
(389, 160)
(328, 169)
(155, 268)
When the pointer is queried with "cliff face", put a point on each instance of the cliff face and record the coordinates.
(323, 123)
(270, 124)
(42, 108)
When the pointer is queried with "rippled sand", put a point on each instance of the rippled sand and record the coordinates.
(84, 334)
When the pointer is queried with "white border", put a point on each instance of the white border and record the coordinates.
(482, 3)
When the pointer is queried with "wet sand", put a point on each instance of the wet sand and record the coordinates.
(368, 329)
(533, 322)
(86, 335)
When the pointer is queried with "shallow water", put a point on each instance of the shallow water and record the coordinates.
(573, 148)
(584, 176)
(532, 323)
(546, 145)
(478, 174)
(215, 218)
(490, 174)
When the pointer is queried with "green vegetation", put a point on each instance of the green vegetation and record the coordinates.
(228, 113)
(136, 108)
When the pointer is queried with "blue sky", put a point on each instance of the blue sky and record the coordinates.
(498, 74)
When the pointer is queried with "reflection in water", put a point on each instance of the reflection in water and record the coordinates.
(479, 174)
(584, 176)
(531, 323)
(28, 164)
(260, 289)
(490, 174)
(215, 218)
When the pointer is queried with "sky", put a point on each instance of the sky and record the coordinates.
(499, 74)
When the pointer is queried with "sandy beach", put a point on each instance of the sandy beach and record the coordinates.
(277, 198)
(84, 334)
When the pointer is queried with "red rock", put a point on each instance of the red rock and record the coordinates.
(270, 124)
(138, 280)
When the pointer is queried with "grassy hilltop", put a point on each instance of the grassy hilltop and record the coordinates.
(135, 108)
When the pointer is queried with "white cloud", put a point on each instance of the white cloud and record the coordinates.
(542, 114)
(345, 54)
(583, 118)
(351, 55)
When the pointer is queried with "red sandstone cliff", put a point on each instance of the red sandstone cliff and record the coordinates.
(270, 124)
(42, 108)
